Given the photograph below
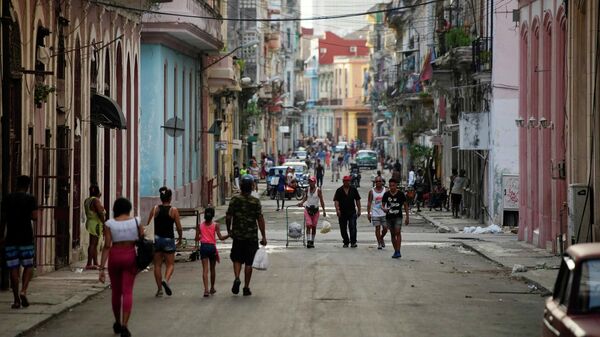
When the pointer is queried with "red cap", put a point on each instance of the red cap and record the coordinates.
(312, 179)
(347, 178)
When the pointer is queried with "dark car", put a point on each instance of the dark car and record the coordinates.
(367, 159)
(574, 307)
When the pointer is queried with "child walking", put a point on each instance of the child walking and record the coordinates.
(205, 234)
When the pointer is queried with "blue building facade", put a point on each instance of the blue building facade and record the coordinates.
(170, 110)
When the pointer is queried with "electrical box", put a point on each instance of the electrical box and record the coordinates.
(578, 199)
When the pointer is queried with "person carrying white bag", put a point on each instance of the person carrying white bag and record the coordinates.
(244, 220)
(261, 259)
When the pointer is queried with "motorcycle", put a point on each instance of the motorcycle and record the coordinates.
(354, 175)
(294, 192)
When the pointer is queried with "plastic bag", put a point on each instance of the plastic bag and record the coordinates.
(295, 230)
(261, 259)
(325, 227)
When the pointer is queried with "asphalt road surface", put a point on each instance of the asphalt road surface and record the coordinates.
(435, 289)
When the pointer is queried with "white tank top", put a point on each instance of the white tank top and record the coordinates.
(376, 210)
(312, 199)
(126, 230)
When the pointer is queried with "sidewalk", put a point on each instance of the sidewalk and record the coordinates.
(503, 249)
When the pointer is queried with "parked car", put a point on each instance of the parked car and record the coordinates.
(574, 307)
(298, 155)
(340, 147)
(367, 159)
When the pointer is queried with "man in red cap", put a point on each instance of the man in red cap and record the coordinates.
(345, 198)
(312, 198)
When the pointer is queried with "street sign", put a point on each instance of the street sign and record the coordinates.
(284, 129)
(220, 145)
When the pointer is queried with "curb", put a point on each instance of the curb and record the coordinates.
(70, 303)
(446, 229)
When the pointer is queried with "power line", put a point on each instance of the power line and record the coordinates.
(327, 17)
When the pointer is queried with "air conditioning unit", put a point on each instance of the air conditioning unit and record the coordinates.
(578, 200)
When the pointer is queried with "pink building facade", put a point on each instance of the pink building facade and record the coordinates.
(542, 149)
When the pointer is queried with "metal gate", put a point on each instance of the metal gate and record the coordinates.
(51, 188)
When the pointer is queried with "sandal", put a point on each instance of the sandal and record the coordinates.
(206, 294)
(24, 301)
(213, 291)
(16, 306)
(90, 267)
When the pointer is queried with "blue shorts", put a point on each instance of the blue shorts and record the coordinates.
(208, 251)
(165, 245)
(19, 256)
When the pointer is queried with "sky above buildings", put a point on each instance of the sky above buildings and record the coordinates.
(311, 8)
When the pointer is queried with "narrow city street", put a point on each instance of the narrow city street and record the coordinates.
(437, 287)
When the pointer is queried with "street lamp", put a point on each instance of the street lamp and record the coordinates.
(245, 45)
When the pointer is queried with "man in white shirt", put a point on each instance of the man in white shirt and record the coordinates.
(411, 177)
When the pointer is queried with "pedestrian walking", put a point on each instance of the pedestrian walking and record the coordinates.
(419, 186)
(95, 216)
(375, 212)
(244, 170)
(280, 192)
(458, 185)
(254, 170)
(311, 201)
(236, 175)
(411, 177)
(209, 255)
(120, 234)
(244, 220)
(320, 173)
(345, 198)
(392, 203)
(454, 175)
(328, 158)
(165, 216)
(19, 209)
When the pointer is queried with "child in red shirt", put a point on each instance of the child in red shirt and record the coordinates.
(205, 234)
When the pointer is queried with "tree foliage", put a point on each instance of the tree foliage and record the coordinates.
(414, 128)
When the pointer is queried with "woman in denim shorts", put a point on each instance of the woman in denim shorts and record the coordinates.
(165, 216)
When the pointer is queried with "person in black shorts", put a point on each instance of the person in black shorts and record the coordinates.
(19, 209)
(392, 203)
(244, 219)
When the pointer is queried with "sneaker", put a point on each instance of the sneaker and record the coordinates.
(125, 332)
(159, 293)
(382, 244)
(117, 328)
(236, 286)
(396, 255)
(247, 292)
(345, 245)
(354, 245)
(379, 246)
(167, 288)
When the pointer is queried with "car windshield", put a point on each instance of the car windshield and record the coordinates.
(300, 154)
(588, 299)
(299, 169)
(365, 154)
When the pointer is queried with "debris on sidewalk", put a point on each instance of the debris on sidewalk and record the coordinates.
(491, 229)
(519, 268)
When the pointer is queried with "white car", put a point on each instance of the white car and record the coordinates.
(300, 155)
(340, 146)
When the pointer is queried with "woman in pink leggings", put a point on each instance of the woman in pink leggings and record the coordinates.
(120, 234)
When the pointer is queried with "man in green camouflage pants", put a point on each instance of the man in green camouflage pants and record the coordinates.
(244, 219)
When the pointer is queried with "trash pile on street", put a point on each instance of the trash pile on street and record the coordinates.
(491, 229)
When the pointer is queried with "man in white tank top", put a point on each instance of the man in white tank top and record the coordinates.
(375, 213)
(312, 198)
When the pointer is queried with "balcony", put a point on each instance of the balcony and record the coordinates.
(273, 40)
(398, 17)
(299, 65)
(482, 58)
(191, 33)
(223, 76)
